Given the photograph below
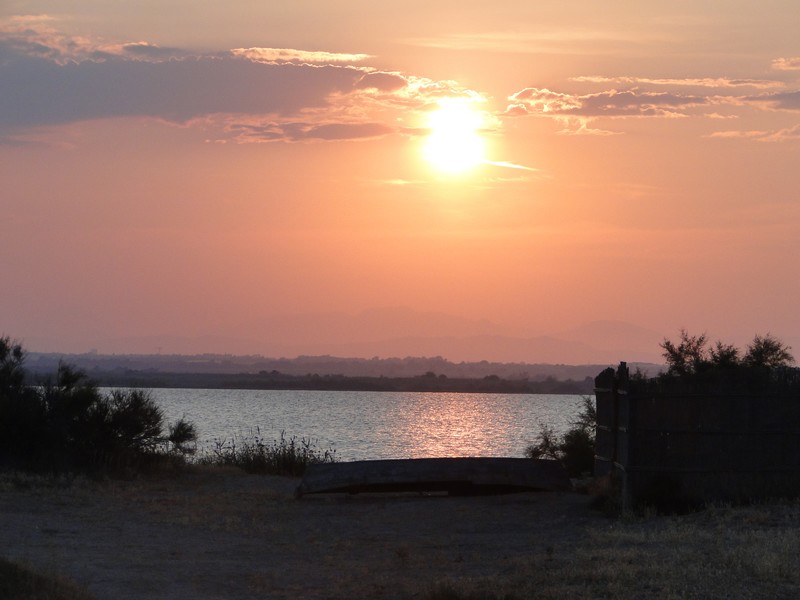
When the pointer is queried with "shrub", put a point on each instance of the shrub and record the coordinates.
(692, 366)
(182, 435)
(767, 352)
(69, 425)
(687, 356)
(690, 356)
(575, 448)
(280, 457)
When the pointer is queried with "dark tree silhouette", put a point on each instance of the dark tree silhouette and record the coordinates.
(767, 352)
(689, 356)
(68, 425)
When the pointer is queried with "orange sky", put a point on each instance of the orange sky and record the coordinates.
(174, 172)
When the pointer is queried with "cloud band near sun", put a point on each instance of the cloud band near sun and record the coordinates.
(284, 55)
(262, 94)
(579, 111)
(48, 78)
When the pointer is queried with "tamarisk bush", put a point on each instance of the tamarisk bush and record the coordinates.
(67, 424)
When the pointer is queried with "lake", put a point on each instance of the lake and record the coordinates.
(374, 425)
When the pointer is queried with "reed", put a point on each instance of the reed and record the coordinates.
(253, 454)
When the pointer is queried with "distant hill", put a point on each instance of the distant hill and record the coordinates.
(401, 332)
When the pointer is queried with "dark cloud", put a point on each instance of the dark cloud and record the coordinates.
(48, 78)
(343, 131)
(36, 91)
(779, 101)
(383, 82)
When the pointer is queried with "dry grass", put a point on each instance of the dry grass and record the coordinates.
(21, 582)
(721, 552)
(256, 455)
(216, 533)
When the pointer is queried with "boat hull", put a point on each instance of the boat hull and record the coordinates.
(461, 476)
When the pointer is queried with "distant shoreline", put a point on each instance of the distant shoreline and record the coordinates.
(280, 381)
(320, 373)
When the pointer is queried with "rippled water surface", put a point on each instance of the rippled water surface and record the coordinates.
(375, 425)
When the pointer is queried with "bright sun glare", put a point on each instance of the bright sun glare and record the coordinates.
(454, 144)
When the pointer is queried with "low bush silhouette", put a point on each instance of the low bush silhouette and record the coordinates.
(690, 355)
(694, 365)
(575, 448)
(68, 425)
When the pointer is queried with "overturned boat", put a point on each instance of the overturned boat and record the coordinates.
(455, 476)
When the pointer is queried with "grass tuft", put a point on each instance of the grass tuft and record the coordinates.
(285, 456)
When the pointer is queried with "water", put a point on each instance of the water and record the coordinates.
(375, 425)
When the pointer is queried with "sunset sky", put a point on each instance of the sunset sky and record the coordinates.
(200, 170)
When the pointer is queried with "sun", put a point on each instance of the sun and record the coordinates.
(455, 145)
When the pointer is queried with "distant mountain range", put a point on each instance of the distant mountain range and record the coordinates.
(402, 332)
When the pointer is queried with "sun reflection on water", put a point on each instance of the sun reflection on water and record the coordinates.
(448, 427)
(376, 425)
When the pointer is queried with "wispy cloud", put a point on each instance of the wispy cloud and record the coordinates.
(611, 103)
(509, 165)
(662, 97)
(707, 82)
(544, 41)
(291, 55)
(579, 112)
(400, 182)
(582, 126)
(788, 134)
(787, 64)
(36, 36)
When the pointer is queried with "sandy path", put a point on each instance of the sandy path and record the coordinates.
(212, 535)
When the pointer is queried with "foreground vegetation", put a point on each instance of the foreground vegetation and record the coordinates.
(537, 546)
(575, 448)
(695, 364)
(721, 552)
(253, 454)
(66, 424)
(692, 355)
(692, 363)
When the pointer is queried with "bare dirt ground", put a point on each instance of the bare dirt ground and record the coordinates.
(220, 534)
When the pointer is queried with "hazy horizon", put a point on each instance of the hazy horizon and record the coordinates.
(399, 333)
(359, 177)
